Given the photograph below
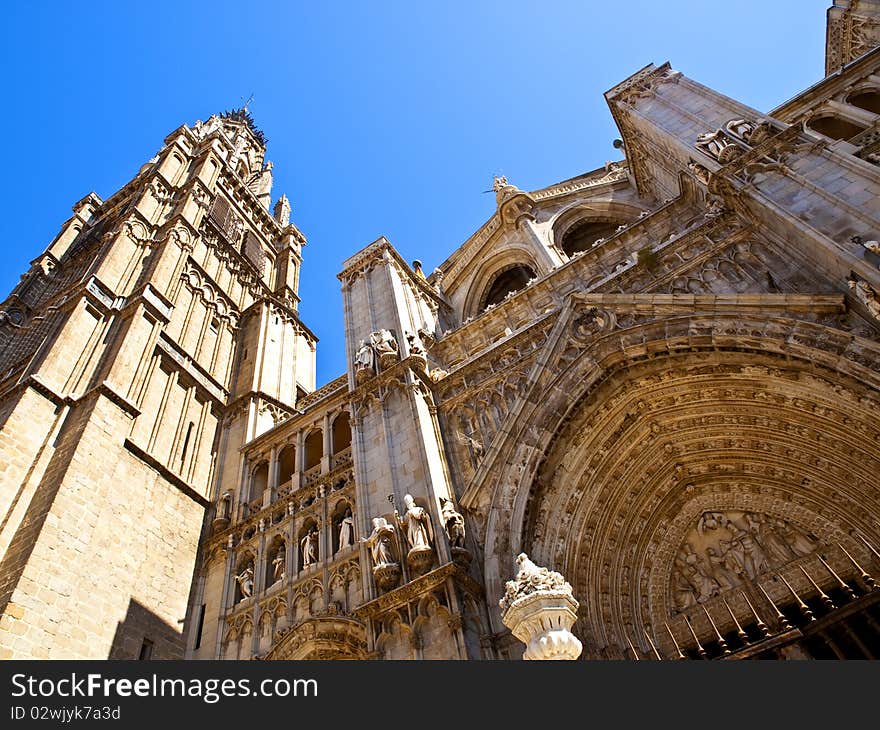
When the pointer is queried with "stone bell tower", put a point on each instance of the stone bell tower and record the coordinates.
(137, 354)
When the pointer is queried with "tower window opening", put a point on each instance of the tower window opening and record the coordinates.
(189, 430)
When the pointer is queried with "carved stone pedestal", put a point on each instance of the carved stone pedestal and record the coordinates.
(461, 556)
(387, 359)
(420, 560)
(387, 576)
(538, 607)
(419, 362)
(219, 524)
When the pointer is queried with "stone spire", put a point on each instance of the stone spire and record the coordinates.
(282, 211)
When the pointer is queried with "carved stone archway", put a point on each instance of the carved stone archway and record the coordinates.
(323, 637)
(621, 435)
(695, 457)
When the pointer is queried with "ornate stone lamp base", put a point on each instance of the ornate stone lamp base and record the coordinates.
(538, 607)
(542, 621)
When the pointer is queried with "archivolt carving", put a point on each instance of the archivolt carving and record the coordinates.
(794, 441)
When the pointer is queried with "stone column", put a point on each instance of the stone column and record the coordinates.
(538, 607)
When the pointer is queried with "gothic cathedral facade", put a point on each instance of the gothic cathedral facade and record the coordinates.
(660, 379)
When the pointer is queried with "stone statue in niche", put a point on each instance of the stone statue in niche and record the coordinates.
(381, 542)
(727, 548)
(416, 347)
(364, 362)
(385, 345)
(346, 530)
(386, 569)
(278, 564)
(223, 513)
(453, 521)
(474, 446)
(865, 293)
(416, 524)
(309, 547)
(245, 581)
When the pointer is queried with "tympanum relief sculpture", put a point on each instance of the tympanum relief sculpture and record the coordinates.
(725, 549)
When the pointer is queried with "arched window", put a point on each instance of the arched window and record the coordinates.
(341, 433)
(510, 280)
(834, 127)
(342, 521)
(867, 100)
(314, 449)
(276, 561)
(286, 463)
(581, 236)
(259, 482)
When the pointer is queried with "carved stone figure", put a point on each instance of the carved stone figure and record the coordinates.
(866, 295)
(719, 570)
(309, 547)
(799, 543)
(701, 172)
(453, 521)
(245, 581)
(386, 569)
(716, 145)
(346, 530)
(437, 374)
(223, 513)
(531, 578)
(727, 548)
(364, 362)
(416, 348)
(381, 542)
(740, 128)
(278, 564)
(385, 345)
(775, 545)
(686, 581)
(416, 523)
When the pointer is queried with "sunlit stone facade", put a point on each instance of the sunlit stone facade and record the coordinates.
(660, 380)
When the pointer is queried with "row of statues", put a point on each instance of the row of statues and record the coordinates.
(309, 554)
(415, 525)
(380, 350)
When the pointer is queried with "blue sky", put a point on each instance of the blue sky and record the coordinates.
(383, 118)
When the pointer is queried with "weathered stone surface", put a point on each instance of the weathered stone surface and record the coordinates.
(661, 378)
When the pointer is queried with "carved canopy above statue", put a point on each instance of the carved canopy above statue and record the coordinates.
(322, 637)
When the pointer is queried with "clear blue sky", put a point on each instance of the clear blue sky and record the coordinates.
(383, 118)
